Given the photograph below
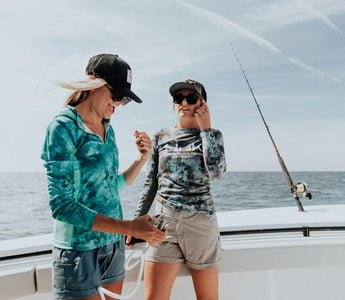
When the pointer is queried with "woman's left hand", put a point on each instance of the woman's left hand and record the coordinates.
(144, 144)
(202, 114)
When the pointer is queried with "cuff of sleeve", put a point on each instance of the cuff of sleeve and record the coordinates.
(121, 183)
(207, 132)
(91, 220)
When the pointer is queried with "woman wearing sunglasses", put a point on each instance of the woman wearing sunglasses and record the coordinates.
(183, 161)
(81, 158)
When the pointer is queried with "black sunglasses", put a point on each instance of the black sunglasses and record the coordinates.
(115, 94)
(190, 98)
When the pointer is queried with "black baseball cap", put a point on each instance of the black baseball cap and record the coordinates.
(115, 71)
(189, 84)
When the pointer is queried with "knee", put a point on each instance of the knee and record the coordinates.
(207, 297)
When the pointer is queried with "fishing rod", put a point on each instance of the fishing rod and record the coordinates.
(295, 189)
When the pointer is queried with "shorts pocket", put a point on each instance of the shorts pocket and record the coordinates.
(163, 210)
(67, 262)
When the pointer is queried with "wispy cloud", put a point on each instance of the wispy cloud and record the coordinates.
(226, 24)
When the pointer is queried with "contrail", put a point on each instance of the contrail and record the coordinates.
(229, 25)
(261, 42)
(307, 6)
(296, 62)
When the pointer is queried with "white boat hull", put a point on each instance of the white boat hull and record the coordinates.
(278, 264)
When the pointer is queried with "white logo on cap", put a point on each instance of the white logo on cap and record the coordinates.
(129, 76)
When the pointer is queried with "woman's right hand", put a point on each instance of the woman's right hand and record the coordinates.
(142, 228)
(202, 114)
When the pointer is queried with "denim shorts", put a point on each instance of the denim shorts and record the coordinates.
(78, 273)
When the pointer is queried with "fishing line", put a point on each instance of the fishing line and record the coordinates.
(297, 188)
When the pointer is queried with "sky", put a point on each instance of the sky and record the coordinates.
(291, 50)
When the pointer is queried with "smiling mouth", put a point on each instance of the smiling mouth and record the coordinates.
(113, 107)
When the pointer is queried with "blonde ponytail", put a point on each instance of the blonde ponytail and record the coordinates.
(81, 89)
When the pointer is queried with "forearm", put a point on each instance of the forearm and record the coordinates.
(61, 196)
(132, 172)
(107, 224)
(150, 188)
(140, 228)
(147, 197)
(213, 149)
(144, 145)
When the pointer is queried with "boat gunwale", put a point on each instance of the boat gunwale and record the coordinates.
(326, 218)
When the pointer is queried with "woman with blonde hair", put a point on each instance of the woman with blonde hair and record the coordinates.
(81, 158)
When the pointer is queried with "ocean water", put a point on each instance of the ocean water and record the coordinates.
(25, 210)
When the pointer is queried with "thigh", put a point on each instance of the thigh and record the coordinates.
(75, 274)
(114, 288)
(200, 238)
(111, 259)
(159, 279)
(169, 251)
(78, 274)
(97, 297)
(205, 283)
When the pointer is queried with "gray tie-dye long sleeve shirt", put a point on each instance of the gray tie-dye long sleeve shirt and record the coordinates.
(182, 163)
(83, 180)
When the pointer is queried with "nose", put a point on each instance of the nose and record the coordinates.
(118, 103)
(184, 101)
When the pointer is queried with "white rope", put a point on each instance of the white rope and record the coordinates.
(135, 254)
(161, 223)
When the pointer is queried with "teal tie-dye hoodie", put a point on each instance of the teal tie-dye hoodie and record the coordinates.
(83, 180)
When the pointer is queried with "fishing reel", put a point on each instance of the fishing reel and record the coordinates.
(160, 221)
(301, 188)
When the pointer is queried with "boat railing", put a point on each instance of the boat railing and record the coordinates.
(305, 230)
(256, 240)
(12, 254)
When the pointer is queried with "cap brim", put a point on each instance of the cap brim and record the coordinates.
(181, 86)
(129, 94)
